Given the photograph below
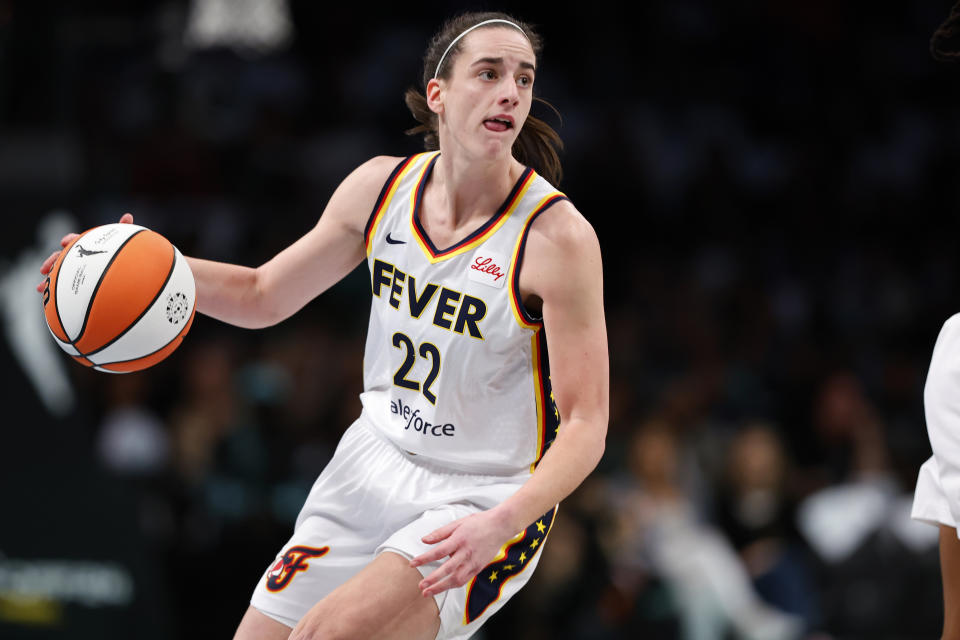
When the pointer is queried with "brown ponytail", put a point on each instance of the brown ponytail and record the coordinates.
(538, 145)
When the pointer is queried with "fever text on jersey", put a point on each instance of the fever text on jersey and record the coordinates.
(454, 311)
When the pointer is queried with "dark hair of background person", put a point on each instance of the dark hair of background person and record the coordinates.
(538, 145)
(941, 46)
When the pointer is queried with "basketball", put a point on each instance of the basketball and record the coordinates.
(119, 298)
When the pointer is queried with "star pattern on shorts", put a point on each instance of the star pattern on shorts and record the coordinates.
(488, 584)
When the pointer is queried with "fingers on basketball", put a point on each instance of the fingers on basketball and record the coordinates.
(133, 305)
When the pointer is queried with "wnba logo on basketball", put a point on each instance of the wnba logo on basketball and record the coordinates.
(289, 564)
(177, 306)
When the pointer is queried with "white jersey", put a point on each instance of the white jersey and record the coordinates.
(937, 495)
(455, 368)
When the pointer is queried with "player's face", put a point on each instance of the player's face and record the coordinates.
(488, 95)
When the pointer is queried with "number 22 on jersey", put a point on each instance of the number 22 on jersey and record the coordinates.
(427, 351)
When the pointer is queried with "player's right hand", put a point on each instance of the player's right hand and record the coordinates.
(126, 218)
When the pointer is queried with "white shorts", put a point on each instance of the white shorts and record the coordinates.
(937, 496)
(373, 497)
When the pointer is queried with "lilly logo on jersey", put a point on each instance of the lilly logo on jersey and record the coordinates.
(486, 268)
(416, 422)
(289, 564)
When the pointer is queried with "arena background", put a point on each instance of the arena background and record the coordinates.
(775, 187)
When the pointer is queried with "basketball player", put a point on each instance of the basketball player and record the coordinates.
(439, 498)
(937, 496)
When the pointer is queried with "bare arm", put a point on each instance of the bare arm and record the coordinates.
(562, 267)
(263, 296)
(950, 573)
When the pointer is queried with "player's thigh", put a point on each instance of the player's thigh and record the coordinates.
(950, 570)
(381, 601)
(258, 626)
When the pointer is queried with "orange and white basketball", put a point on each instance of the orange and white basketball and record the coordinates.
(119, 298)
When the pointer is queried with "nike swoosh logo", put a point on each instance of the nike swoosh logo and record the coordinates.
(392, 241)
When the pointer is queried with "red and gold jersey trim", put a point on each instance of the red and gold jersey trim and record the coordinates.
(473, 240)
(523, 317)
(543, 397)
(548, 417)
(386, 194)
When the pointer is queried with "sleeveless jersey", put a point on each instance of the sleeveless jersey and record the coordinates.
(455, 369)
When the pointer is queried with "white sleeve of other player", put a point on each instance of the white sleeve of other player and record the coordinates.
(941, 398)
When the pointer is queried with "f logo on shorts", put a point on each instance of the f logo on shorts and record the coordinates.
(289, 564)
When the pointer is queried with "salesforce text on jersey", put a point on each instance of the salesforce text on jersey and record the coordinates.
(417, 423)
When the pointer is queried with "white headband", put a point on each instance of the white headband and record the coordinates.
(479, 24)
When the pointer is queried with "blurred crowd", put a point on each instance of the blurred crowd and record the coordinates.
(774, 188)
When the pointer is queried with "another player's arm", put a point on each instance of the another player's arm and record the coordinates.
(942, 409)
(950, 573)
(265, 295)
(562, 267)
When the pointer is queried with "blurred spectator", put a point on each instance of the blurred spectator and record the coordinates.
(210, 414)
(656, 532)
(756, 511)
(860, 529)
(132, 439)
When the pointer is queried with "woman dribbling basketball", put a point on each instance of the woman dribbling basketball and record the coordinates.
(435, 506)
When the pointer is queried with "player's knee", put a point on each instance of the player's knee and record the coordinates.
(324, 630)
(323, 623)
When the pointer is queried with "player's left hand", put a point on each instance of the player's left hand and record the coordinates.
(47, 265)
(471, 543)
